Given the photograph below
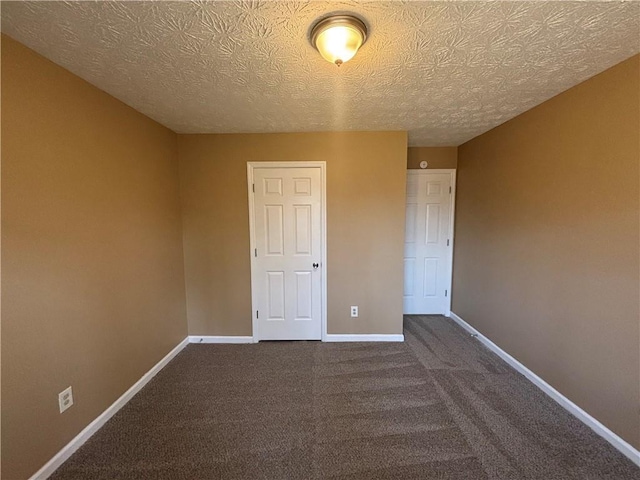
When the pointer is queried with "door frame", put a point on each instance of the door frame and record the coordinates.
(452, 173)
(251, 166)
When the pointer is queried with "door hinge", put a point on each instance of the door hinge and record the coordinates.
(447, 242)
(255, 252)
(257, 314)
(449, 189)
(446, 292)
(253, 186)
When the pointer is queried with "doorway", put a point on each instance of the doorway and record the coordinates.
(287, 205)
(428, 248)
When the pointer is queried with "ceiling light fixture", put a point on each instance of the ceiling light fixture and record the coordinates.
(338, 37)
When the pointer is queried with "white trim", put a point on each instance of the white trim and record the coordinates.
(325, 270)
(69, 449)
(452, 218)
(252, 246)
(620, 444)
(219, 339)
(452, 231)
(323, 236)
(419, 171)
(367, 337)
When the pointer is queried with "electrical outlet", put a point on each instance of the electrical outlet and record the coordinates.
(354, 311)
(65, 399)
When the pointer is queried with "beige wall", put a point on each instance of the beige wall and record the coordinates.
(547, 246)
(365, 225)
(436, 157)
(92, 278)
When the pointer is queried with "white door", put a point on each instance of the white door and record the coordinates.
(428, 242)
(287, 269)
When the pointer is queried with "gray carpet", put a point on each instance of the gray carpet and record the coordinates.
(439, 406)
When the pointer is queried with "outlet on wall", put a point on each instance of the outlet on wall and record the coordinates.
(65, 399)
(354, 311)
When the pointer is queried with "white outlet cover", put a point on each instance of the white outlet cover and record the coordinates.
(65, 399)
(354, 311)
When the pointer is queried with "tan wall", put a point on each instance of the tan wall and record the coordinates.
(547, 246)
(436, 157)
(92, 278)
(365, 225)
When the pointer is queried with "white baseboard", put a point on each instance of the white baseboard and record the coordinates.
(369, 337)
(327, 338)
(68, 450)
(219, 339)
(620, 444)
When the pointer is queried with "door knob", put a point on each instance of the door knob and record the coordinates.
(315, 266)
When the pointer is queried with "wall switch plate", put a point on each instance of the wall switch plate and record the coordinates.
(354, 311)
(65, 399)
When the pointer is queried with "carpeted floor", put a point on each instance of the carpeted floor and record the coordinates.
(439, 406)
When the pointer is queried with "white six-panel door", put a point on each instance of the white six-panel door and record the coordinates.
(287, 268)
(428, 242)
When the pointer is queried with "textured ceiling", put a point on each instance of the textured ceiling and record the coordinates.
(443, 71)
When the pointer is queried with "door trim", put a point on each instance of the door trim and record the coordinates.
(452, 172)
(251, 166)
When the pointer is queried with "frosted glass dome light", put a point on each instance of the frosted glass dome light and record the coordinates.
(338, 37)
